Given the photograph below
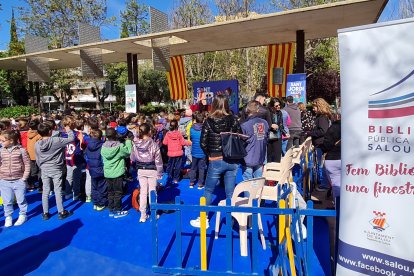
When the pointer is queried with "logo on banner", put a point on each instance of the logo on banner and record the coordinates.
(394, 101)
(379, 222)
(377, 232)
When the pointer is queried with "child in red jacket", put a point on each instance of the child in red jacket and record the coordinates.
(174, 141)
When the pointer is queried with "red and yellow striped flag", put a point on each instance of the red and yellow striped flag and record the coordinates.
(279, 55)
(177, 80)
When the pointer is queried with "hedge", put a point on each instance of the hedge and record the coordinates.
(17, 111)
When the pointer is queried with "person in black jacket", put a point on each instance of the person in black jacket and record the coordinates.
(322, 122)
(332, 147)
(263, 112)
(274, 146)
(220, 120)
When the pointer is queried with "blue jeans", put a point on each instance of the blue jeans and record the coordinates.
(198, 165)
(10, 189)
(252, 172)
(174, 168)
(216, 169)
(323, 180)
(284, 146)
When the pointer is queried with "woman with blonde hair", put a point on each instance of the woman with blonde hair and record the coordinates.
(322, 122)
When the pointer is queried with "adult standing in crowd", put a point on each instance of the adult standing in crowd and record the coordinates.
(257, 130)
(307, 120)
(322, 122)
(263, 112)
(220, 120)
(332, 147)
(274, 146)
(295, 128)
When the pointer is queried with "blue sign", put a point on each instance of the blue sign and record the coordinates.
(204, 93)
(296, 87)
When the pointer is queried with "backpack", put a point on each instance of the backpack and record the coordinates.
(135, 199)
(182, 128)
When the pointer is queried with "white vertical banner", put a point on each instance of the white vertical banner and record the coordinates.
(130, 98)
(377, 193)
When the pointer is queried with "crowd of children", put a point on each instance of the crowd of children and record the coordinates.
(50, 154)
(93, 156)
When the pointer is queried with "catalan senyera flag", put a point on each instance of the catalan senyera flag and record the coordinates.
(177, 80)
(279, 55)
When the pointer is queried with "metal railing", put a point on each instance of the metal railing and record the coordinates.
(293, 216)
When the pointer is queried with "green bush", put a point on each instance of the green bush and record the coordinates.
(151, 109)
(17, 111)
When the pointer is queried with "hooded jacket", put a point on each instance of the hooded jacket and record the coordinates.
(15, 163)
(258, 130)
(50, 153)
(210, 139)
(146, 151)
(94, 157)
(295, 116)
(195, 134)
(175, 141)
(113, 155)
(32, 138)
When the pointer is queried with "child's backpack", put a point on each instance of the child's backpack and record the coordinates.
(135, 199)
(182, 128)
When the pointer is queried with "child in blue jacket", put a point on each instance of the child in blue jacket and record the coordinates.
(96, 170)
(198, 164)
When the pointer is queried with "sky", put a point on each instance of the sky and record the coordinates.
(114, 8)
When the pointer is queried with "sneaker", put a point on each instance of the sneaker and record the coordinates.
(120, 214)
(100, 208)
(22, 219)
(321, 189)
(200, 186)
(88, 199)
(64, 214)
(196, 223)
(8, 222)
(192, 185)
(143, 218)
(45, 216)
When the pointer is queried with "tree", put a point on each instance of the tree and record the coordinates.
(58, 20)
(190, 13)
(134, 19)
(232, 8)
(295, 4)
(16, 79)
(321, 57)
(117, 74)
(406, 8)
(124, 30)
(4, 82)
(153, 85)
